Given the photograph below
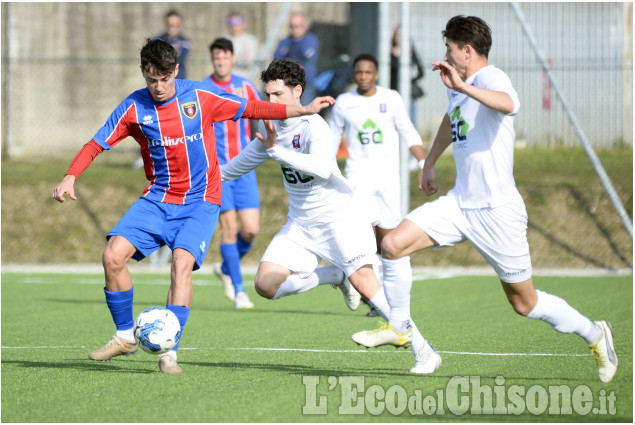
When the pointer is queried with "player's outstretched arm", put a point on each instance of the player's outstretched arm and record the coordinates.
(314, 107)
(67, 186)
(248, 159)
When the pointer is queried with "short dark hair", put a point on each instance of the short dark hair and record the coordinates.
(286, 70)
(158, 55)
(469, 30)
(173, 12)
(222, 43)
(366, 57)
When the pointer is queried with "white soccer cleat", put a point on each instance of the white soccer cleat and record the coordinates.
(426, 361)
(242, 301)
(385, 335)
(228, 286)
(604, 352)
(351, 296)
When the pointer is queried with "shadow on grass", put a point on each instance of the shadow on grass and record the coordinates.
(74, 301)
(260, 310)
(79, 364)
(302, 370)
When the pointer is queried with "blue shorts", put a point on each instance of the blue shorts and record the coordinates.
(240, 194)
(148, 225)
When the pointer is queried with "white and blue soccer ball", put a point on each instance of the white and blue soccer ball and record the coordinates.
(157, 330)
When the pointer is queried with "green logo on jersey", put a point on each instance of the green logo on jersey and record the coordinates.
(292, 176)
(459, 126)
(370, 132)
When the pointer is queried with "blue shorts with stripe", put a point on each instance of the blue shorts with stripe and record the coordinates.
(148, 225)
(240, 194)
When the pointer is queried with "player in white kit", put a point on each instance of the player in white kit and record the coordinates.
(373, 118)
(323, 220)
(485, 207)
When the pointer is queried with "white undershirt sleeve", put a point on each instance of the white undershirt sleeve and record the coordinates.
(248, 159)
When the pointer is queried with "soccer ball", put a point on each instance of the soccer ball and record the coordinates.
(157, 330)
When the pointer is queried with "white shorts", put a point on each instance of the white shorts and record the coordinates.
(498, 234)
(382, 207)
(348, 243)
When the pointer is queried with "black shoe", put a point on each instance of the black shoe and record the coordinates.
(372, 313)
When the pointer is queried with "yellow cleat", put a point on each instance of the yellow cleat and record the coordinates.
(604, 352)
(385, 335)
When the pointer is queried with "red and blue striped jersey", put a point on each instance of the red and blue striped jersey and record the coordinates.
(176, 139)
(232, 137)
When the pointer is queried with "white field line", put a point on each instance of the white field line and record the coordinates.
(305, 350)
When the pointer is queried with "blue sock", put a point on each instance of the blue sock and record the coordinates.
(231, 262)
(182, 313)
(243, 246)
(120, 306)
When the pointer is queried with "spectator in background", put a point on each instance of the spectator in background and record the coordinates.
(303, 47)
(395, 54)
(246, 46)
(174, 36)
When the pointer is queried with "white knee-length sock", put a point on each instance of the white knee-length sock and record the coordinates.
(564, 318)
(294, 284)
(397, 286)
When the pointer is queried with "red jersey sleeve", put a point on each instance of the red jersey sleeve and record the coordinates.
(84, 157)
(259, 109)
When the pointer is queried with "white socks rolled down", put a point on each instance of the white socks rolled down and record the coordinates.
(294, 284)
(564, 318)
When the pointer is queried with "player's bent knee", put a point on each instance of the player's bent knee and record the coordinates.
(182, 262)
(390, 249)
(265, 288)
(521, 307)
(114, 259)
(248, 235)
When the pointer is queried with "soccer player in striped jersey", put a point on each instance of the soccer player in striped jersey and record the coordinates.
(240, 201)
(373, 118)
(172, 121)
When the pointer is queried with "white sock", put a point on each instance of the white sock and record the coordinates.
(397, 286)
(171, 353)
(380, 304)
(564, 318)
(294, 284)
(379, 269)
(127, 335)
(418, 341)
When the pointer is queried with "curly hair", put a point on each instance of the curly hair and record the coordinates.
(286, 70)
(469, 30)
(158, 55)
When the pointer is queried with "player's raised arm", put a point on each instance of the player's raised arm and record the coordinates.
(496, 100)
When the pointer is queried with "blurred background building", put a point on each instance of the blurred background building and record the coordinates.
(65, 66)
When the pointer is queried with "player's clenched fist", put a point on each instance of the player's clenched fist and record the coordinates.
(66, 186)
